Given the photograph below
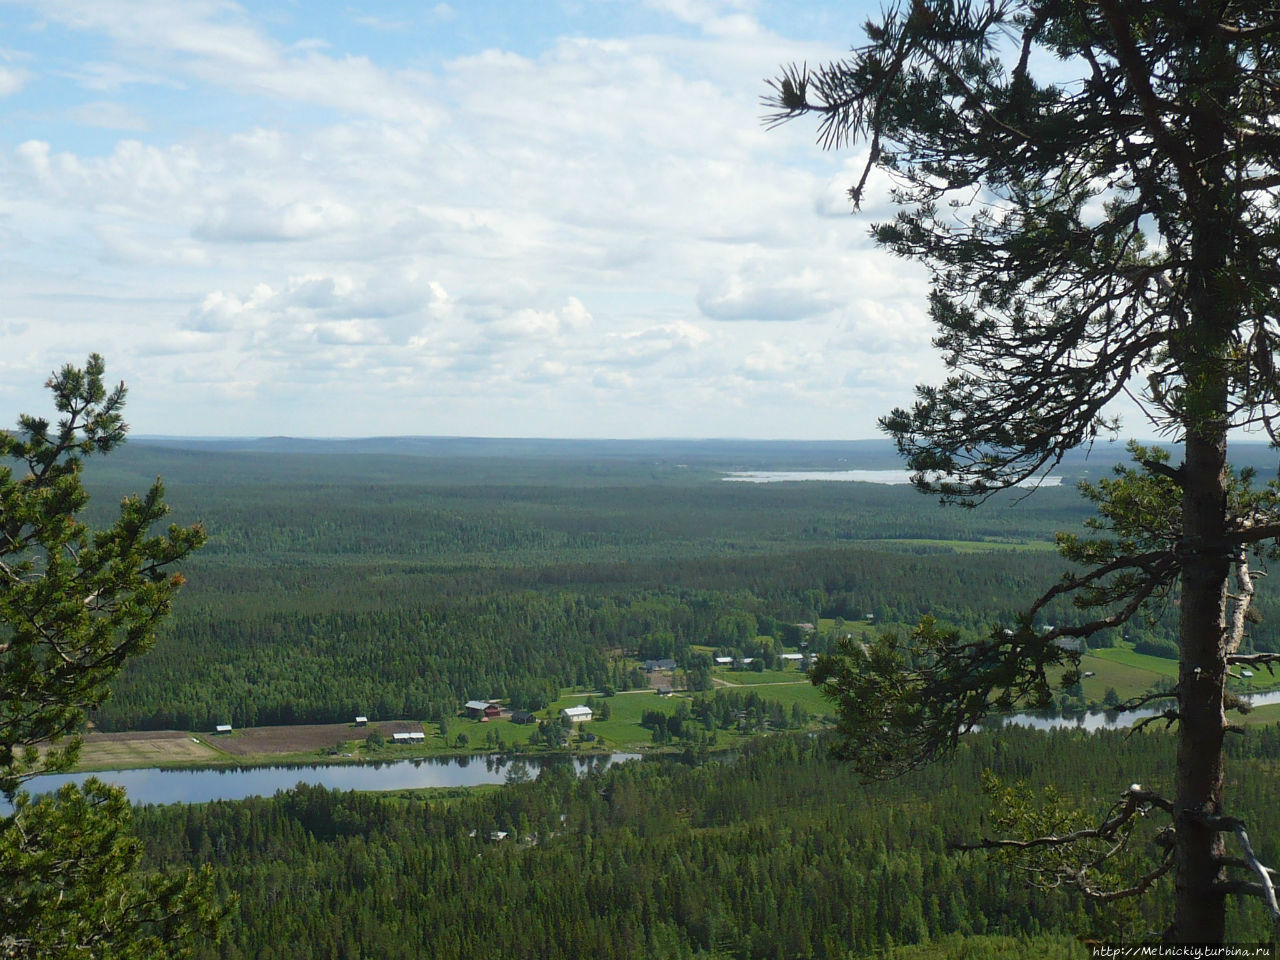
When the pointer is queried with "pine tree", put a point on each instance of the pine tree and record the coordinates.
(1093, 188)
(75, 605)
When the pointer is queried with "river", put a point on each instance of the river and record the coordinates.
(1108, 720)
(199, 786)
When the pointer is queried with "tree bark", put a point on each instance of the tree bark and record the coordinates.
(1203, 342)
(1199, 913)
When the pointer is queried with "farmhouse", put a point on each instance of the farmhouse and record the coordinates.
(576, 714)
(652, 665)
(724, 661)
(523, 716)
(482, 709)
(222, 728)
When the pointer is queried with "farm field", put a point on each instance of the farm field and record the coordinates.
(345, 742)
(148, 748)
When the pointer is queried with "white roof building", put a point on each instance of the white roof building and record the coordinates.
(416, 737)
(576, 714)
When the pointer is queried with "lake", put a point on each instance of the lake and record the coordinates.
(892, 477)
(200, 786)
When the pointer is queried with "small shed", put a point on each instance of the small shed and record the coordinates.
(724, 661)
(222, 728)
(362, 721)
(576, 714)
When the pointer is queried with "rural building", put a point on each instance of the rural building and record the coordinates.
(415, 737)
(361, 721)
(664, 691)
(792, 657)
(576, 714)
(476, 708)
(491, 711)
(497, 836)
(724, 661)
(222, 728)
(652, 665)
(523, 716)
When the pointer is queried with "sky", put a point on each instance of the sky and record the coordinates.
(522, 219)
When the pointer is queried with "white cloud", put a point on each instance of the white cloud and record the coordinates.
(537, 240)
(12, 79)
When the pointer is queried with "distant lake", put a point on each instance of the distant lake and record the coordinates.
(200, 786)
(892, 477)
(1108, 719)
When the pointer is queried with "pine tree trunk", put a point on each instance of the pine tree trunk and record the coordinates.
(1203, 343)
(1199, 912)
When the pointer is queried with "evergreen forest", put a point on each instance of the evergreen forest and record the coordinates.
(399, 585)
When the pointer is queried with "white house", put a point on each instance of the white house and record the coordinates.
(415, 737)
(576, 714)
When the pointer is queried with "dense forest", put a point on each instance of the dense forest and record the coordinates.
(402, 585)
(341, 581)
(772, 852)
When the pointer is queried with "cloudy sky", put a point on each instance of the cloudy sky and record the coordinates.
(476, 218)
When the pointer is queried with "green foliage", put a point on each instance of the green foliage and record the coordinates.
(73, 887)
(75, 605)
(902, 704)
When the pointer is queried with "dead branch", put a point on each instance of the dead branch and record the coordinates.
(1170, 717)
(1134, 801)
(1235, 632)
(1256, 659)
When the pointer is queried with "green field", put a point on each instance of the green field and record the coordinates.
(964, 546)
(753, 678)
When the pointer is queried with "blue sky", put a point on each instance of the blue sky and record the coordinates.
(488, 219)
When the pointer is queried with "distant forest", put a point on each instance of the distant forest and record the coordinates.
(398, 578)
(773, 852)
